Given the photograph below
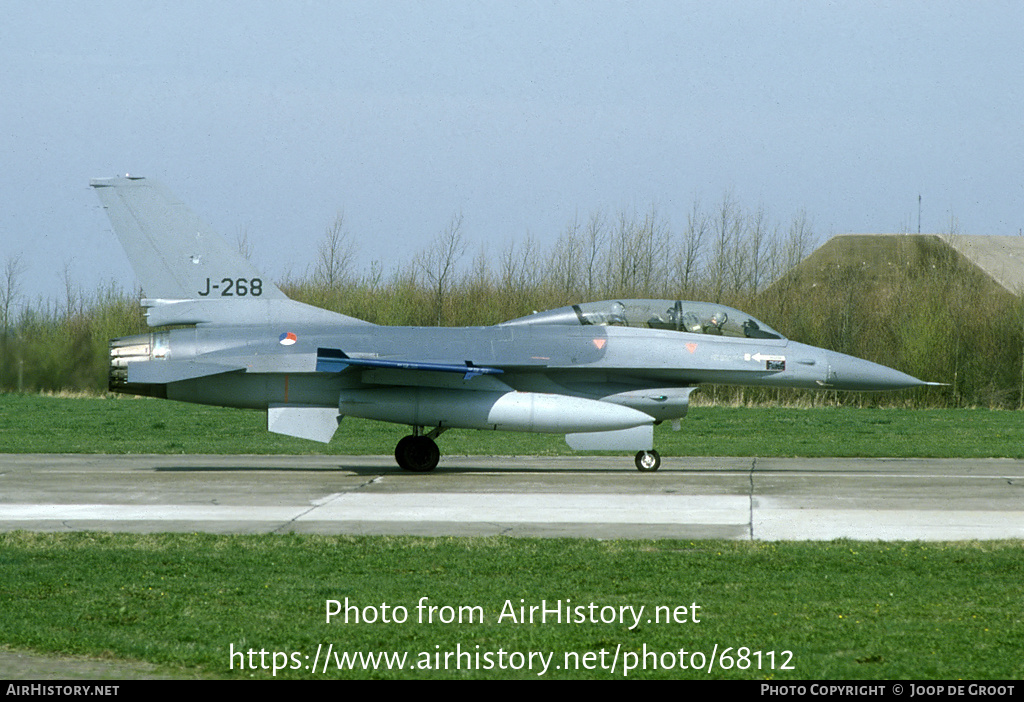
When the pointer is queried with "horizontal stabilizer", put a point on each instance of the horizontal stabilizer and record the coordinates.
(163, 372)
(240, 312)
(636, 439)
(303, 421)
(335, 361)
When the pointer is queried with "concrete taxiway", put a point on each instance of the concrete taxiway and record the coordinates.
(599, 497)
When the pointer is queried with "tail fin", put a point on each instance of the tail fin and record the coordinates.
(189, 274)
(175, 254)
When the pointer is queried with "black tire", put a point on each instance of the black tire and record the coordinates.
(418, 454)
(648, 461)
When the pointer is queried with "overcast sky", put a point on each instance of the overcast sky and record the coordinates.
(270, 118)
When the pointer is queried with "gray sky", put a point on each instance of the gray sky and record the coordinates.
(270, 118)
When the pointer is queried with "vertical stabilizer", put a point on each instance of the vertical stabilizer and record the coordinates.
(175, 254)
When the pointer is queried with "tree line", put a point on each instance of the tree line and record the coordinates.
(938, 322)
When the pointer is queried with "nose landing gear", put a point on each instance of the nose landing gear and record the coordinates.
(648, 461)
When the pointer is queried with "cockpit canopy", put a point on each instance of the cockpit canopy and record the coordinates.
(674, 315)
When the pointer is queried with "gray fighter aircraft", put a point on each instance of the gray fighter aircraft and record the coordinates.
(602, 373)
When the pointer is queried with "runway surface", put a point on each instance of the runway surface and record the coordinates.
(599, 497)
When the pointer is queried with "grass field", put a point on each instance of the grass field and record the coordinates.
(33, 423)
(842, 610)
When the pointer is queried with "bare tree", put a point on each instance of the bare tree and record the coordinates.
(519, 269)
(564, 264)
(243, 244)
(72, 297)
(479, 281)
(656, 241)
(760, 253)
(334, 255)
(639, 254)
(595, 239)
(725, 250)
(10, 290)
(439, 262)
(375, 277)
(800, 240)
(689, 257)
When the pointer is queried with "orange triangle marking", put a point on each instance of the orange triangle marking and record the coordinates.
(599, 343)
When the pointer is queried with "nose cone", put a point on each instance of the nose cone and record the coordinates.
(852, 373)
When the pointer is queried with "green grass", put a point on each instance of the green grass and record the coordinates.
(845, 610)
(45, 424)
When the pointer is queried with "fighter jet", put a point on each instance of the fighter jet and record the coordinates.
(601, 373)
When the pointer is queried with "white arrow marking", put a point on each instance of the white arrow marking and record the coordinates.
(762, 357)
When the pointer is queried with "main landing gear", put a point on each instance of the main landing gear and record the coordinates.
(419, 452)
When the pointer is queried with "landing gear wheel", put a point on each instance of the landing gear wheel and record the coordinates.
(418, 454)
(648, 461)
